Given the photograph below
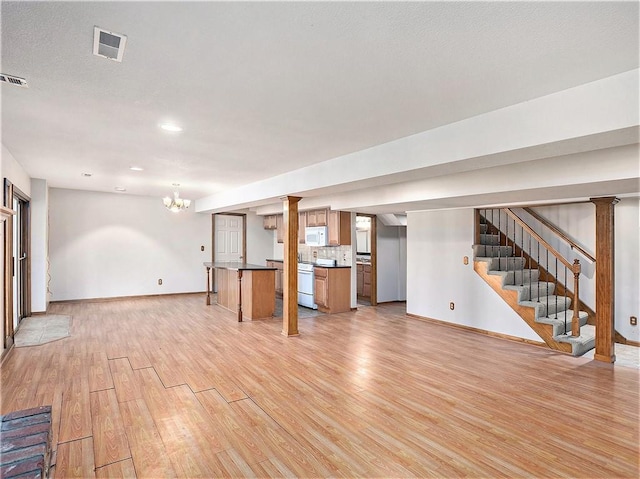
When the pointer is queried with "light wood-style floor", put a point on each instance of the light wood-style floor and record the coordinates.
(168, 387)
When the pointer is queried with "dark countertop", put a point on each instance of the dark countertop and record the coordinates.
(237, 266)
(311, 262)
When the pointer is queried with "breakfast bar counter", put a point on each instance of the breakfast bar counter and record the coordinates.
(246, 289)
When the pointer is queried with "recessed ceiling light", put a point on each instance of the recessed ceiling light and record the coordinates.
(136, 168)
(120, 188)
(170, 127)
(86, 174)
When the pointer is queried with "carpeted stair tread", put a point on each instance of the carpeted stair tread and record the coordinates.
(547, 305)
(558, 323)
(531, 290)
(580, 344)
(489, 239)
(491, 251)
(512, 263)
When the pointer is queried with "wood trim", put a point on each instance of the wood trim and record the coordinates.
(478, 331)
(120, 298)
(373, 299)
(605, 278)
(539, 238)
(290, 272)
(8, 268)
(559, 233)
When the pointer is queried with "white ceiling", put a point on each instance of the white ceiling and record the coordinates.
(264, 88)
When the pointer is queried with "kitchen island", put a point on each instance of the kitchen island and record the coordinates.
(246, 289)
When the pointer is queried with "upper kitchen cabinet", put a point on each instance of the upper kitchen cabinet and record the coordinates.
(302, 224)
(269, 222)
(339, 230)
(317, 218)
(280, 228)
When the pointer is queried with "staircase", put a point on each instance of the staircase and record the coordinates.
(508, 258)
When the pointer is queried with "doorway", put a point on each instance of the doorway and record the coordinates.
(228, 238)
(366, 259)
(17, 285)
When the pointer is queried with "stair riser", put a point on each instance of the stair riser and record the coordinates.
(535, 291)
(522, 277)
(487, 239)
(507, 264)
(487, 251)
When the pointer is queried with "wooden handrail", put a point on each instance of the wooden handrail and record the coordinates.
(539, 238)
(559, 233)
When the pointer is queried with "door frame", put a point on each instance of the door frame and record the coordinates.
(213, 239)
(11, 192)
(374, 256)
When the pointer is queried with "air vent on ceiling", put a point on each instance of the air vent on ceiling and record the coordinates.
(108, 44)
(17, 81)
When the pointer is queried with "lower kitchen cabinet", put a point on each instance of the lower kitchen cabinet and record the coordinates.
(279, 275)
(363, 276)
(332, 289)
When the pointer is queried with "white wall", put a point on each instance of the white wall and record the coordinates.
(39, 245)
(108, 245)
(260, 242)
(391, 262)
(627, 264)
(437, 241)
(13, 171)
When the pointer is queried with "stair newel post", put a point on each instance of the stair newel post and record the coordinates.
(575, 322)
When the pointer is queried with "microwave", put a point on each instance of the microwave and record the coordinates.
(315, 235)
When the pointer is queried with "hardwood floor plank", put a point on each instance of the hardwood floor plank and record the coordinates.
(110, 440)
(99, 372)
(126, 386)
(121, 469)
(75, 415)
(370, 393)
(149, 456)
(75, 459)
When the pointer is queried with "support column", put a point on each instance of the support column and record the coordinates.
(605, 277)
(290, 277)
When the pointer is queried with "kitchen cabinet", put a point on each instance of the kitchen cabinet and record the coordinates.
(302, 224)
(332, 289)
(280, 228)
(363, 277)
(269, 222)
(339, 228)
(279, 265)
(317, 217)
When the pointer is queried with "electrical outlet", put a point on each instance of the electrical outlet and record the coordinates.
(452, 306)
(465, 260)
(633, 320)
(315, 255)
(159, 281)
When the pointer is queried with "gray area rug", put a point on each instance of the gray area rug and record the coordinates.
(37, 330)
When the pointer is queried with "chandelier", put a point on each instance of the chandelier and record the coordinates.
(176, 204)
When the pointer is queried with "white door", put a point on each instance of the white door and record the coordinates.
(228, 240)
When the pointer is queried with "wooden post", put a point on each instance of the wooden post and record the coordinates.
(605, 276)
(208, 286)
(239, 295)
(290, 279)
(575, 321)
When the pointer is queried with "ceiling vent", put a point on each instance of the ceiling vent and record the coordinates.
(17, 81)
(108, 44)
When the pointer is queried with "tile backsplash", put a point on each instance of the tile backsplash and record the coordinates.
(342, 254)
